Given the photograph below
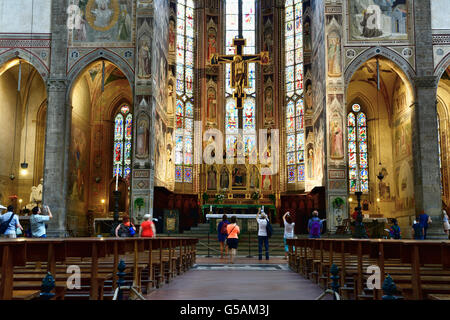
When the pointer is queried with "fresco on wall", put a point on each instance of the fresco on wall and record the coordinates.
(160, 77)
(170, 156)
(79, 164)
(107, 21)
(144, 45)
(404, 174)
(405, 185)
(334, 53)
(318, 77)
(319, 146)
(160, 152)
(403, 137)
(378, 20)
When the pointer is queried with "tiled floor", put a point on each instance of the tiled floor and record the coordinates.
(246, 279)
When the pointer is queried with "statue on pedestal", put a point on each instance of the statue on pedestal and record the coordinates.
(35, 196)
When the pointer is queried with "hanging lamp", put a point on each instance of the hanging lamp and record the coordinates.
(380, 175)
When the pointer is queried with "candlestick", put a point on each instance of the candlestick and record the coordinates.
(117, 178)
(262, 210)
(210, 208)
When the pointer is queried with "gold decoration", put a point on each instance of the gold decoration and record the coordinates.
(239, 68)
(104, 8)
(170, 224)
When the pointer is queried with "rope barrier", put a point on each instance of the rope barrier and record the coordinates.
(329, 291)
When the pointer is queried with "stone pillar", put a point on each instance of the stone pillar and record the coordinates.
(58, 131)
(425, 130)
(151, 39)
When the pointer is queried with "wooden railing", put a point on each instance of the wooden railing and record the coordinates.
(418, 268)
(23, 261)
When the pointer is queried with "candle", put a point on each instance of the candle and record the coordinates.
(262, 209)
(210, 208)
(117, 178)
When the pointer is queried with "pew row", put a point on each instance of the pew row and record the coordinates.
(420, 269)
(150, 263)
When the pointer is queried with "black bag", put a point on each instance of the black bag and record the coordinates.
(124, 231)
(269, 229)
(4, 225)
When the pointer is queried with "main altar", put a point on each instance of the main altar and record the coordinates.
(245, 214)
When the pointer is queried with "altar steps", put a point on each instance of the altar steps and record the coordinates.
(276, 246)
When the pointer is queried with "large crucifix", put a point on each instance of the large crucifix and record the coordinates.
(239, 64)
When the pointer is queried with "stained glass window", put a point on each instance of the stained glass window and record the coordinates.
(184, 113)
(358, 166)
(295, 135)
(248, 117)
(123, 125)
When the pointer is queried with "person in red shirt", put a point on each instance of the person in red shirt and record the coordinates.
(355, 214)
(147, 229)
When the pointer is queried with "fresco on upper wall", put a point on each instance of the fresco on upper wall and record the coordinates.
(403, 163)
(378, 20)
(106, 21)
(318, 78)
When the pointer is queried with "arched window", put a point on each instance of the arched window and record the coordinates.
(295, 134)
(123, 125)
(185, 92)
(248, 117)
(358, 168)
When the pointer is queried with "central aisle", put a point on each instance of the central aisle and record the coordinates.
(247, 279)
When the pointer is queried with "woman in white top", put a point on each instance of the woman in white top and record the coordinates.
(288, 231)
(261, 218)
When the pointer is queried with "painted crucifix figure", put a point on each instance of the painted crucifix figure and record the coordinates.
(239, 68)
(239, 63)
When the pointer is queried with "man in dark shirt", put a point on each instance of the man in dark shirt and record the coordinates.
(424, 220)
(418, 230)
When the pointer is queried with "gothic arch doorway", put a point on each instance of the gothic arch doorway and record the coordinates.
(101, 139)
(379, 102)
(24, 99)
(443, 108)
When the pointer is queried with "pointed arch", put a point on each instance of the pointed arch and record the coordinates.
(28, 56)
(99, 54)
(443, 65)
(407, 72)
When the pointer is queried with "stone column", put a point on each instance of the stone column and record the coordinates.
(425, 130)
(58, 131)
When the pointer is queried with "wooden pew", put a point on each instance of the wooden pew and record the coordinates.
(25, 263)
(421, 267)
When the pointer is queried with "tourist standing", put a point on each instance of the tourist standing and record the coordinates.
(314, 226)
(147, 229)
(424, 221)
(37, 222)
(126, 228)
(394, 231)
(288, 231)
(222, 234)
(445, 222)
(232, 238)
(418, 230)
(9, 222)
(261, 218)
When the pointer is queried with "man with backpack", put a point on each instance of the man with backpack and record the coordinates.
(9, 222)
(126, 229)
(314, 226)
(264, 233)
